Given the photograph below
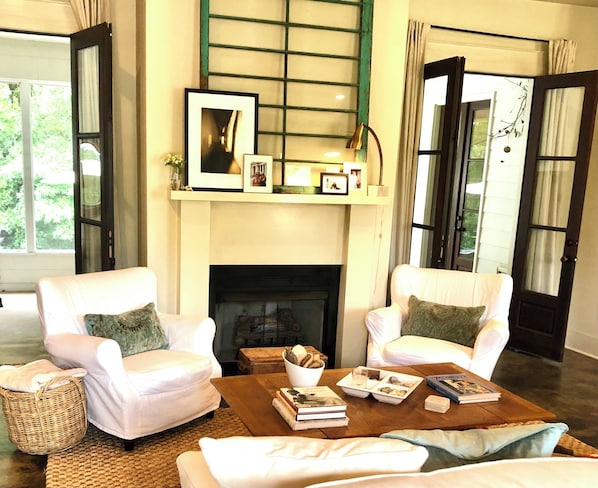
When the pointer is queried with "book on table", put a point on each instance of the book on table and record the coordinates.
(312, 399)
(331, 414)
(290, 418)
(462, 388)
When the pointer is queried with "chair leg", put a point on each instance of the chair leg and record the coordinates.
(129, 444)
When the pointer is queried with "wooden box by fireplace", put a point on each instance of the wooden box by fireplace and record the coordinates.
(258, 360)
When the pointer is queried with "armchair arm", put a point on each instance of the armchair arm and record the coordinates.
(384, 325)
(96, 354)
(191, 333)
(489, 344)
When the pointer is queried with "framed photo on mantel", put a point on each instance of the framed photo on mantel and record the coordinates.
(220, 128)
(257, 173)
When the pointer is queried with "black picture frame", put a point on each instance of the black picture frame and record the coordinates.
(220, 128)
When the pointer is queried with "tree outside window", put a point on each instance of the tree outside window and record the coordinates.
(36, 170)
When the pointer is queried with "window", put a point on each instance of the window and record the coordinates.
(36, 175)
(309, 62)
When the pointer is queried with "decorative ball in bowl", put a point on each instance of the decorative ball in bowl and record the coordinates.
(303, 368)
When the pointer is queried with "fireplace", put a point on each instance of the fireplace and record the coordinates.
(273, 305)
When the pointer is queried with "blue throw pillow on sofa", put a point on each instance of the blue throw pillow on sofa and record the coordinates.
(449, 448)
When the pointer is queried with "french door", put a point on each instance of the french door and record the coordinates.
(554, 182)
(91, 82)
(436, 161)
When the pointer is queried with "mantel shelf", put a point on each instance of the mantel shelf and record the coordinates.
(241, 197)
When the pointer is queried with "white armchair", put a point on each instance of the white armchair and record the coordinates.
(139, 394)
(386, 345)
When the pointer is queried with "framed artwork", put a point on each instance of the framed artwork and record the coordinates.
(220, 128)
(358, 180)
(334, 183)
(257, 173)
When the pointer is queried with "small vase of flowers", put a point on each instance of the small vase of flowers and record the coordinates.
(176, 163)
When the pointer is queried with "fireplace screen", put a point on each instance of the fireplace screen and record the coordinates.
(254, 321)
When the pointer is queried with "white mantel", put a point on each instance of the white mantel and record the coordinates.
(253, 228)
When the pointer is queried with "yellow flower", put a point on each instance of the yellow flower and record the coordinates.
(173, 159)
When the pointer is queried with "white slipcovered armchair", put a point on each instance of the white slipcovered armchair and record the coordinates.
(386, 345)
(139, 394)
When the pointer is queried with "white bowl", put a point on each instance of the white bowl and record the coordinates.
(300, 376)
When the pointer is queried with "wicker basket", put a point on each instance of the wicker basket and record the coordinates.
(49, 420)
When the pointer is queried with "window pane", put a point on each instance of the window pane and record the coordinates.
(479, 133)
(90, 178)
(52, 166)
(242, 62)
(12, 204)
(561, 121)
(271, 92)
(468, 233)
(89, 89)
(543, 261)
(421, 247)
(552, 195)
(322, 96)
(258, 9)
(433, 113)
(324, 42)
(326, 150)
(423, 211)
(321, 13)
(324, 69)
(314, 122)
(91, 249)
(268, 36)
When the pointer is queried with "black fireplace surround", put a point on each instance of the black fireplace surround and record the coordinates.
(273, 305)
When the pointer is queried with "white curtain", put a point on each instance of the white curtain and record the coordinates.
(91, 12)
(561, 56)
(410, 132)
(554, 179)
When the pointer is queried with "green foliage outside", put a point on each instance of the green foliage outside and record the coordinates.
(51, 154)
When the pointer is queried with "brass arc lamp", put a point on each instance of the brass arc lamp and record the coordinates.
(356, 142)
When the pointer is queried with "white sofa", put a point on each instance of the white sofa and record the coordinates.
(298, 462)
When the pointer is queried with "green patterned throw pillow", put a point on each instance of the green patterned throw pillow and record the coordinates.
(447, 322)
(135, 331)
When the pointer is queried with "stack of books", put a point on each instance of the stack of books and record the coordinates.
(311, 407)
(462, 388)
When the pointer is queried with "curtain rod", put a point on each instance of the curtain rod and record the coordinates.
(506, 36)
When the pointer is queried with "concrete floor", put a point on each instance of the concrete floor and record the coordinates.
(569, 389)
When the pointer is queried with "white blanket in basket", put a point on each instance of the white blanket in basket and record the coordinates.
(32, 376)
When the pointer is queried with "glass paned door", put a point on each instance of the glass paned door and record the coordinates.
(554, 182)
(442, 95)
(91, 71)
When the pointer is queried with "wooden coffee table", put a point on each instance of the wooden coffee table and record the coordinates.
(251, 399)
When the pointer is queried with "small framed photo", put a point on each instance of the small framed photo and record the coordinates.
(220, 127)
(358, 180)
(257, 173)
(334, 183)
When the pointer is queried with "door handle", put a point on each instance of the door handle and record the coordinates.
(571, 245)
(568, 259)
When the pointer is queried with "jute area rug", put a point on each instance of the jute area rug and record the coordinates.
(100, 461)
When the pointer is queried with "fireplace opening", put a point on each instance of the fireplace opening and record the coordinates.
(271, 305)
